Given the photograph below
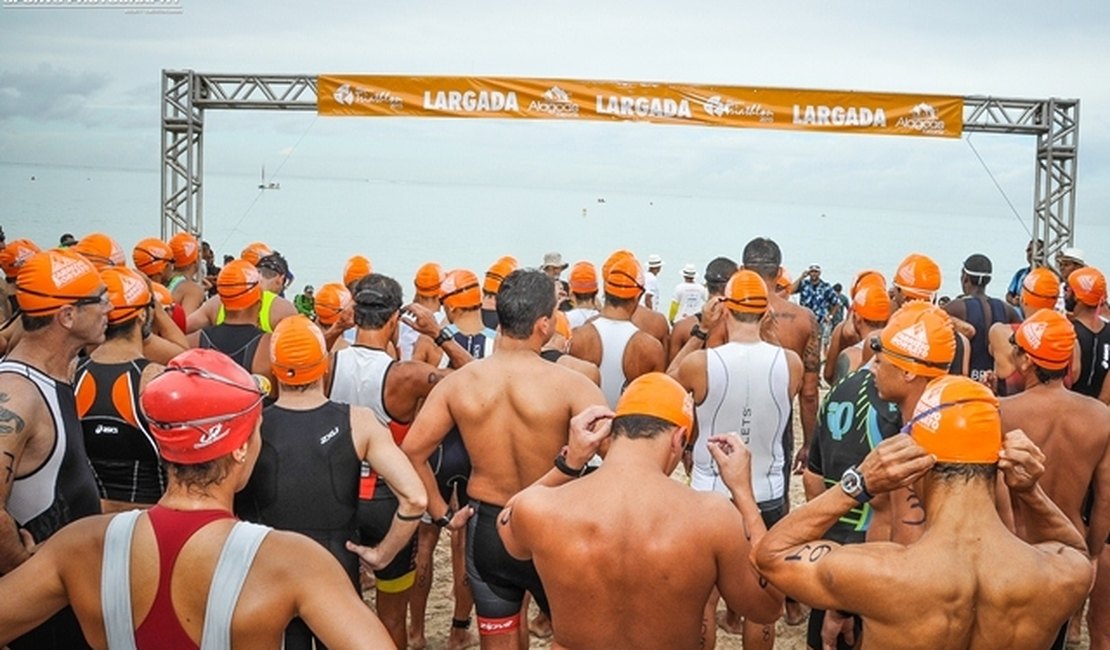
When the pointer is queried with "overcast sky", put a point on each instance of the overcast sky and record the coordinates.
(81, 87)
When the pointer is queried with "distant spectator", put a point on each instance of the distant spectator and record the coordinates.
(211, 271)
(228, 259)
(689, 296)
(816, 295)
(650, 299)
(839, 308)
(1032, 251)
(306, 302)
(67, 240)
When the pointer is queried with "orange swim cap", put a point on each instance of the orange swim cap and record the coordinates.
(460, 290)
(202, 407)
(429, 277)
(101, 250)
(14, 255)
(53, 279)
(872, 302)
(562, 325)
(583, 278)
(867, 278)
(659, 396)
(497, 274)
(357, 268)
(127, 291)
(918, 276)
(1040, 289)
(957, 421)
(185, 249)
(918, 338)
(255, 251)
(161, 294)
(1089, 285)
(615, 257)
(1048, 338)
(331, 299)
(238, 285)
(298, 353)
(746, 293)
(625, 279)
(151, 256)
(782, 280)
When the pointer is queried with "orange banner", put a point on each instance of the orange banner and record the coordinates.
(567, 99)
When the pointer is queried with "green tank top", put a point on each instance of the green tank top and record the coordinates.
(263, 314)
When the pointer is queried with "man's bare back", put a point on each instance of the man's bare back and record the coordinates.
(512, 410)
(604, 596)
(1073, 431)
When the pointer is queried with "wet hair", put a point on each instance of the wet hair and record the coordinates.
(526, 296)
(838, 287)
(763, 256)
(966, 471)
(377, 298)
(874, 324)
(32, 323)
(639, 426)
(120, 330)
(746, 317)
(1044, 376)
(201, 476)
(717, 274)
(613, 301)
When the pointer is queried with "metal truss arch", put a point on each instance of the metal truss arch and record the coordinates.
(186, 94)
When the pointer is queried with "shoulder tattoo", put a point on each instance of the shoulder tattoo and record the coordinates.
(811, 356)
(10, 421)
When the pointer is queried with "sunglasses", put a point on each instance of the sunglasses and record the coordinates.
(100, 298)
(876, 345)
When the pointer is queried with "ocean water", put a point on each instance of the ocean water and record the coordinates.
(318, 223)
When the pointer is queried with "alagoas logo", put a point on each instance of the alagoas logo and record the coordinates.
(1086, 282)
(716, 106)
(821, 115)
(927, 412)
(471, 101)
(347, 96)
(556, 102)
(132, 289)
(628, 106)
(912, 341)
(67, 268)
(1033, 332)
(923, 118)
(214, 434)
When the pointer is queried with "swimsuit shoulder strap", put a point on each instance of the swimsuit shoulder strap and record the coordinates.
(115, 581)
(227, 582)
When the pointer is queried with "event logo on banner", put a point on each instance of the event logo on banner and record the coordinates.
(561, 99)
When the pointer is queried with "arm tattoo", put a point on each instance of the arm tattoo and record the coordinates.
(9, 466)
(811, 357)
(815, 553)
(10, 422)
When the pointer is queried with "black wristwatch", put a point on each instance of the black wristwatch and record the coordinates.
(444, 520)
(573, 472)
(853, 485)
(443, 337)
(698, 333)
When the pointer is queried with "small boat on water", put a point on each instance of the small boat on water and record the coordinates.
(267, 186)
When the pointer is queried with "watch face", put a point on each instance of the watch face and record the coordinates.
(851, 482)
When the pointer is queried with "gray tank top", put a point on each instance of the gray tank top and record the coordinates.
(231, 572)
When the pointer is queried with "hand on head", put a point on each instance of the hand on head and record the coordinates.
(896, 462)
(587, 430)
(1020, 461)
(421, 319)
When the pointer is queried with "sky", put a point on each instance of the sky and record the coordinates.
(80, 86)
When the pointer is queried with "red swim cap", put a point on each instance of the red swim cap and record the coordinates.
(202, 407)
